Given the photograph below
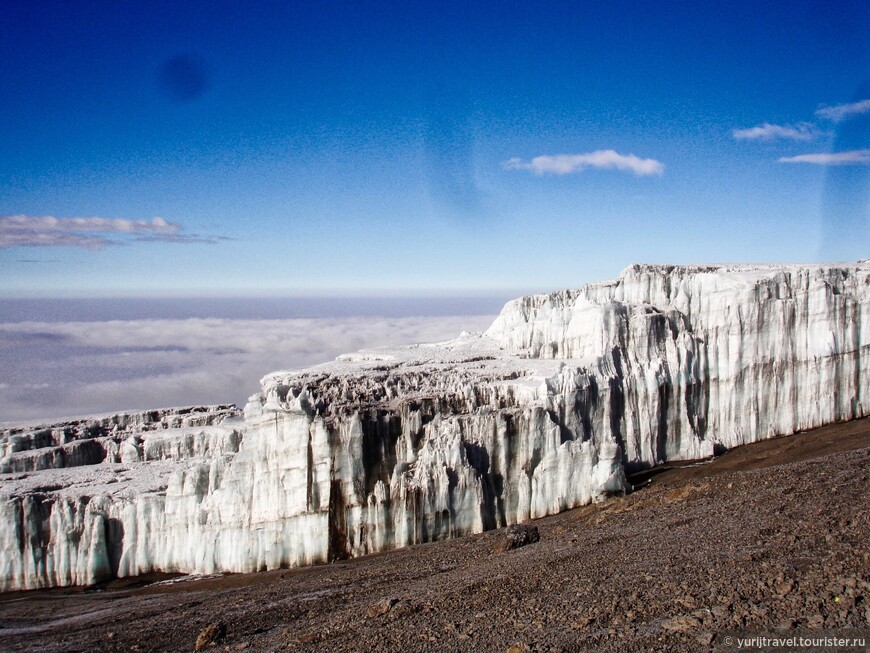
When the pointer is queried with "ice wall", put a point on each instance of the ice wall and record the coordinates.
(776, 349)
(382, 449)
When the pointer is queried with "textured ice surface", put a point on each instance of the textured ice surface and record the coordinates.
(379, 449)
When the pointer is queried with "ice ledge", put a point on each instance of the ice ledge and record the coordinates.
(385, 448)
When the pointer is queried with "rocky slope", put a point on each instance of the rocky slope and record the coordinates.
(770, 538)
(545, 411)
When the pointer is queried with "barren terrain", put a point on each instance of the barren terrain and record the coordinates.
(769, 538)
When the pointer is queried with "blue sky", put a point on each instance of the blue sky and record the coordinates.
(316, 148)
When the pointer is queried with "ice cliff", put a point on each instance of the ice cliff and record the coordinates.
(543, 412)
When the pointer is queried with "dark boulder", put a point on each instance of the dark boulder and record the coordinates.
(518, 535)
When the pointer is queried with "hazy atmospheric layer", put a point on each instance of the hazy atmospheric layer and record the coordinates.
(95, 356)
(384, 448)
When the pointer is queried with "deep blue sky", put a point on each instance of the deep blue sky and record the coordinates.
(353, 147)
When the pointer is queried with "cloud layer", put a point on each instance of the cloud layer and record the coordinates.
(90, 233)
(851, 157)
(563, 164)
(803, 131)
(58, 369)
(841, 112)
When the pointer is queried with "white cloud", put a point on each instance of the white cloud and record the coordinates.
(91, 233)
(61, 369)
(563, 164)
(842, 111)
(830, 159)
(803, 131)
(106, 225)
(32, 238)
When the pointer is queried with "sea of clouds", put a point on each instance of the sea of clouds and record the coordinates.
(53, 369)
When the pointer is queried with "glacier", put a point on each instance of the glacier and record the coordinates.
(546, 410)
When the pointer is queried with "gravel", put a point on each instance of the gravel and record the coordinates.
(772, 538)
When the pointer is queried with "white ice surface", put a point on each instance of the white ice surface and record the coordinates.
(384, 448)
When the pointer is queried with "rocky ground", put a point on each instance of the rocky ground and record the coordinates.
(770, 539)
